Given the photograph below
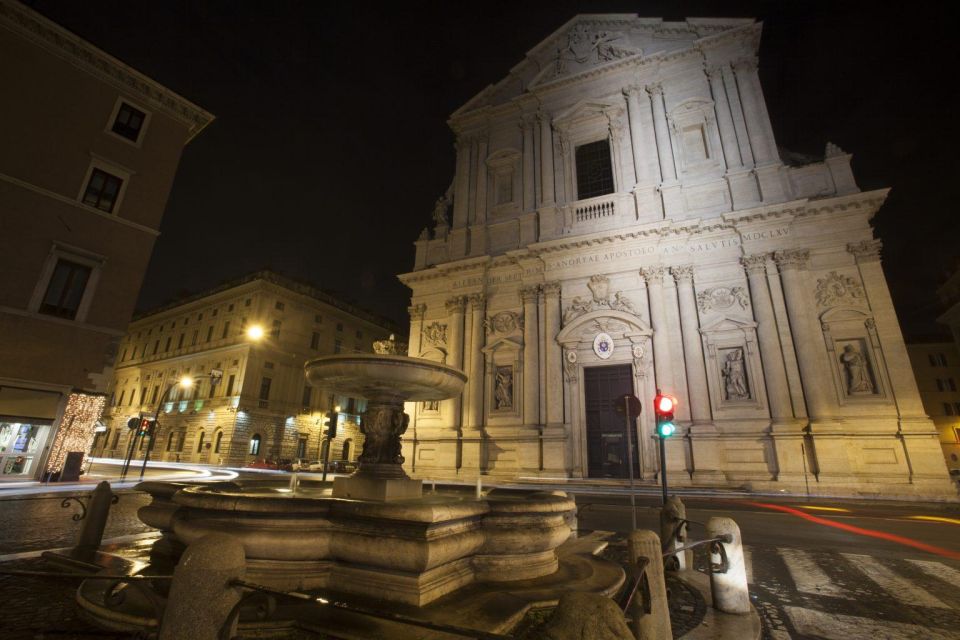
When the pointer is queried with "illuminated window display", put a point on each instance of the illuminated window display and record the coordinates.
(21, 443)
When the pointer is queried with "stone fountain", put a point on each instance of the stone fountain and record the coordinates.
(376, 535)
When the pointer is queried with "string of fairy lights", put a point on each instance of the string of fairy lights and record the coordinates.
(76, 428)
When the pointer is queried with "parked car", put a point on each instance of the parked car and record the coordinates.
(334, 466)
(263, 463)
(303, 464)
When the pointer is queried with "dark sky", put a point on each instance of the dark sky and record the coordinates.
(331, 145)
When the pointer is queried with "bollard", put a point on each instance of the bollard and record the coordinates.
(201, 598)
(728, 587)
(585, 615)
(673, 533)
(91, 531)
(654, 625)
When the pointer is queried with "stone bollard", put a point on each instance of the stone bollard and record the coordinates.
(201, 598)
(586, 616)
(654, 625)
(729, 588)
(673, 533)
(91, 531)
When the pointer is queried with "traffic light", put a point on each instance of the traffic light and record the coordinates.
(331, 424)
(663, 407)
(146, 427)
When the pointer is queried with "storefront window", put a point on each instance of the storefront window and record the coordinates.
(20, 447)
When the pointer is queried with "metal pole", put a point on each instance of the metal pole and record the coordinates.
(633, 501)
(126, 463)
(333, 417)
(663, 467)
(803, 456)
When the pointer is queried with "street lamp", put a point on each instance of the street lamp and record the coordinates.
(255, 332)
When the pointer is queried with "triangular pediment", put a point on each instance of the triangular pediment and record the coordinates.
(584, 110)
(589, 42)
(511, 344)
(727, 324)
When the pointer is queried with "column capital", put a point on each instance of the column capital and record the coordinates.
(477, 301)
(865, 251)
(632, 90)
(530, 293)
(551, 289)
(456, 304)
(791, 259)
(745, 64)
(683, 273)
(653, 275)
(654, 88)
(416, 311)
(755, 264)
(713, 71)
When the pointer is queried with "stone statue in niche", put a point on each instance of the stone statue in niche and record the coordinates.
(503, 388)
(735, 376)
(857, 369)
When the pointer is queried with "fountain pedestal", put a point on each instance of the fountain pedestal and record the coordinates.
(386, 381)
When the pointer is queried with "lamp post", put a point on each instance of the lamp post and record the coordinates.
(186, 382)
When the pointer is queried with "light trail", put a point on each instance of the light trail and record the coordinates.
(872, 533)
(935, 519)
(816, 508)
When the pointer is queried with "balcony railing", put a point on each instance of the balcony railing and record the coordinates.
(595, 208)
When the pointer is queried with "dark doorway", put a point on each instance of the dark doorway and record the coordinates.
(606, 429)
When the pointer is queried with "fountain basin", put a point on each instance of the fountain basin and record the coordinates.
(382, 378)
(409, 552)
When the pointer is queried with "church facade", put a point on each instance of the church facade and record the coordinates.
(621, 221)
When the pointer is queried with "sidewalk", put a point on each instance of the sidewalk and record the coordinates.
(109, 469)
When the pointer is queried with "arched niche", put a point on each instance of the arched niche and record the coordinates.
(857, 364)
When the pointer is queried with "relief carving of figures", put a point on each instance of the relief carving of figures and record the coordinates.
(436, 334)
(857, 371)
(382, 427)
(600, 293)
(735, 376)
(503, 389)
(389, 347)
(570, 364)
(722, 298)
(838, 289)
(505, 322)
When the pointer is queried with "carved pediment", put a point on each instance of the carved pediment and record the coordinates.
(727, 324)
(509, 344)
(600, 299)
(585, 46)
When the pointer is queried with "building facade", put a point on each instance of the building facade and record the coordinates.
(621, 221)
(90, 149)
(936, 366)
(250, 399)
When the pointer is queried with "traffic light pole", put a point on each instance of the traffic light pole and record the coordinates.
(663, 466)
(332, 417)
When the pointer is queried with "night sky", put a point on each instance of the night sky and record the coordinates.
(330, 144)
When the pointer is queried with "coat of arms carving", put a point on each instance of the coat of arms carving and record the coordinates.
(436, 334)
(505, 322)
(722, 298)
(600, 299)
(836, 289)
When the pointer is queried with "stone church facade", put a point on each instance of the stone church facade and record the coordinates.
(620, 221)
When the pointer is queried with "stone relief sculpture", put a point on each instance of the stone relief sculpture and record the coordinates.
(390, 347)
(503, 389)
(837, 289)
(586, 46)
(436, 334)
(735, 376)
(380, 425)
(440, 211)
(722, 298)
(600, 299)
(857, 371)
(505, 322)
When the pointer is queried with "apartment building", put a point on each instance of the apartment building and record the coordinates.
(936, 366)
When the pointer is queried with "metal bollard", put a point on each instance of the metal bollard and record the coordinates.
(728, 574)
(655, 623)
(673, 533)
(202, 601)
(91, 531)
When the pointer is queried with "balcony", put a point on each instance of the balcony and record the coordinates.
(595, 208)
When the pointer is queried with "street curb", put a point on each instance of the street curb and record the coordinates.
(716, 625)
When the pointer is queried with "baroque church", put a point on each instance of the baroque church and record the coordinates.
(621, 221)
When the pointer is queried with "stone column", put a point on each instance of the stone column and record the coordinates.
(692, 345)
(475, 379)
(774, 371)
(736, 111)
(755, 112)
(529, 181)
(462, 184)
(480, 206)
(416, 328)
(663, 370)
(455, 307)
(792, 265)
(531, 356)
(546, 160)
(640, 168)
(728, 136)
(554, 364)
(664, 150)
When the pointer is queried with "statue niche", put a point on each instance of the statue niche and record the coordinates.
(856, 368)
(734, 375)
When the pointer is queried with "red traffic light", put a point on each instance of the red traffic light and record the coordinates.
(664, 404)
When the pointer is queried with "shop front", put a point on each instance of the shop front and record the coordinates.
(27, 418)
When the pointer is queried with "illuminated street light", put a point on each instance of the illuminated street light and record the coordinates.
(255, 332)
(186, 382)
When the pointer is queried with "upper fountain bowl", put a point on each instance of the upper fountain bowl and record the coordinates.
(385, 377)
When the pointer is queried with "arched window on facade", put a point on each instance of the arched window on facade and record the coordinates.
(255, 444)
(217, 440)
(170, 437)
(181, 438)
(323, 449)
(200, 437)
(347, 449)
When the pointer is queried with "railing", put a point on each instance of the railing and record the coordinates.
(595, 209)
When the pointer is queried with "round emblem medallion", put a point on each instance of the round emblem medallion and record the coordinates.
(603, 346)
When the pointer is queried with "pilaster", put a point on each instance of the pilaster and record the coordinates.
(554, 364)
(531, 359)
(669, 186)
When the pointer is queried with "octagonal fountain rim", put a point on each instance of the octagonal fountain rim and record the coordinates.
(376, 376)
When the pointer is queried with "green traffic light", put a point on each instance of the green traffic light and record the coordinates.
(666, 429)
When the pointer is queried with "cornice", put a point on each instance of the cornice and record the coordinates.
(83, 55)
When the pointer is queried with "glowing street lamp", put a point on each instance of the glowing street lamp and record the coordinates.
(255, 332)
